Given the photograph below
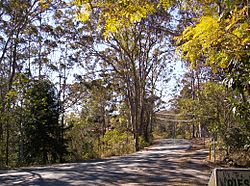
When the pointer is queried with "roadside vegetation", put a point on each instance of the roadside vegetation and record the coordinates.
(86, 79)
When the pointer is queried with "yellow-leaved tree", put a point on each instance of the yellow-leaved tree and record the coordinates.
(219, 36)
(114, 15)
(220, 32)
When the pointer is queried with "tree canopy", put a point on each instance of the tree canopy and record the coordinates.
(117, 15)
(85, 79)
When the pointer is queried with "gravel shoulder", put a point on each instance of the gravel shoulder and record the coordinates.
(168, 162)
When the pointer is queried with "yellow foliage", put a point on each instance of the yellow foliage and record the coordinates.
(216, 41)
(165, 4)
(117, 15)
(84, 12)
(45, 3)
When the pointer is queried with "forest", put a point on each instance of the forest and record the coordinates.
(87, 79)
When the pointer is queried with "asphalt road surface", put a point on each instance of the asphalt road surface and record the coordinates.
(170, 162)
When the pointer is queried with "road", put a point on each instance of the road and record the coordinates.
(170, 162)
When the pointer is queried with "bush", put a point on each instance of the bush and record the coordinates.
(117, 143)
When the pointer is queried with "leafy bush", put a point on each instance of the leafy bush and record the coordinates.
(117, 143)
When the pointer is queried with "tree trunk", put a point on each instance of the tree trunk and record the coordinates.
(193, 97)
(193, 131)
(7, 145)
(133, 119)
(13, 66)
(136, 142)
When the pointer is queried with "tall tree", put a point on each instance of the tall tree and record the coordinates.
(42, 131)
(29, 49)
(137, 56)
(221, 37)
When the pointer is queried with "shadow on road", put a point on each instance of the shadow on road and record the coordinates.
(163, 164)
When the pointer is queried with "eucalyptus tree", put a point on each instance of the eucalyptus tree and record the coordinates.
(136, 57)
(220, 26)
(16, 16)
(217, 38)
(220, 36)
(28, 45)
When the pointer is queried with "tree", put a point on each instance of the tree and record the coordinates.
(100, 127)
(222, 39)
(220, 34)
(116, 15)
(21, 41)
(42, 131)
(30, 45)
(214, 109)
(137, 57)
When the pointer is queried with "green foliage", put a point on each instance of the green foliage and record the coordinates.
(82, 141)
(212, 107)
(117, 143)
(143, 143)
(236, 138)
(43, 142)
(87, 143)
(220, 37)
(223, 115)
